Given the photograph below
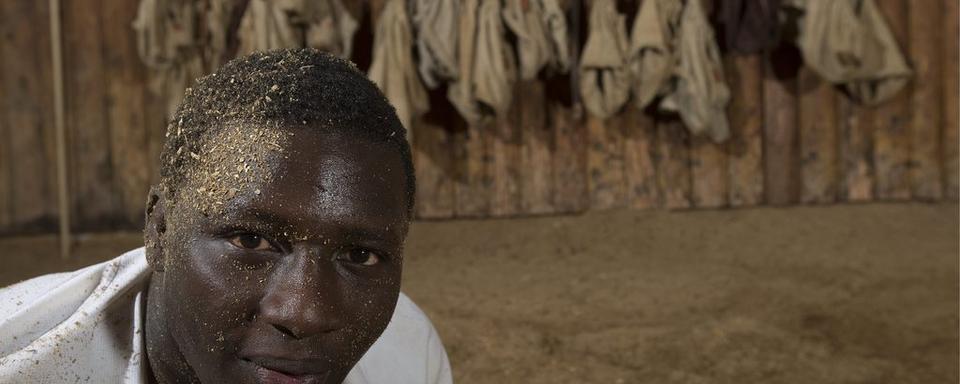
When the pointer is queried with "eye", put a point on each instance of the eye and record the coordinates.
(251, 241)
(361, 256)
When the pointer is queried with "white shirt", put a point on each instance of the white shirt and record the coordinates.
(87, 326)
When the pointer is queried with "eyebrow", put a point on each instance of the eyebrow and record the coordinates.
(276, 222)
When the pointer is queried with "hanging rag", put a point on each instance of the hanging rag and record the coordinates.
(460, 92)
(495, 70)
(166, 33)
(701, 94)
(265, 26)
(393, 68)
(848, 42)
(487, 69)
(604, 74)
(330, 26)
(435, 23)
(651, 57)
(559, 39)
(218, 20)
(278, 24)
(541, 36)
(749, 26)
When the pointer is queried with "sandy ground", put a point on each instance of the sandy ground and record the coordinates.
(841, 294)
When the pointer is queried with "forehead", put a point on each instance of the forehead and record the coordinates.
(299, 174)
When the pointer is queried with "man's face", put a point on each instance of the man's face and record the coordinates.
(282, 266)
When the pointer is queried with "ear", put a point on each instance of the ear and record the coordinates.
(155, 229)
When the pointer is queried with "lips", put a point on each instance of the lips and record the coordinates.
(282, 371)
(270, 376)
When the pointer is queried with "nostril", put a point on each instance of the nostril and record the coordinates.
(286, 331)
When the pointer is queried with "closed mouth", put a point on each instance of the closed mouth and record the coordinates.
(286, 372)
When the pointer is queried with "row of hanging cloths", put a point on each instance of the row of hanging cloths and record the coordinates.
(670, 56)
(181, 40)
(847, 42)
(669, 59)
(464, 43)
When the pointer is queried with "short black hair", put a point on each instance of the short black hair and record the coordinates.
(301, 87)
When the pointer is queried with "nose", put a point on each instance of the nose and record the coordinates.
(301, 299)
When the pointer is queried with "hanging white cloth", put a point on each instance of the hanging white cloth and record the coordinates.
(486, 63)
(848, 42)
(279, 24)
(495, 70)
(393, 69)
(541, 36)
(652, 60)
(167, 32)
(604, 75)
(701, 94)
(435, 25)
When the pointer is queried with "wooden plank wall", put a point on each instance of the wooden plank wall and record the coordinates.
(796, 139)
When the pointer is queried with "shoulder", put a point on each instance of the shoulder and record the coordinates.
(408, 351)
(40, 306)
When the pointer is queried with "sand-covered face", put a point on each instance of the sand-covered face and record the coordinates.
(283, 267)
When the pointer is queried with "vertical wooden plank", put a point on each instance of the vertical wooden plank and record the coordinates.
(91, 171)
(950, 137)
(708, 164)
(640, 159)
(536, 168)
(27, 81)
(708, 172)
(126, 115)
(817, 122)
(856, 144)
(891, 150)
(569, 160)
(506, 154)
(605, 168)
(674, 174)
(6, 182)
(745, 147)
(474, 181)
(780, 147)
(925, 110)
(433, 160)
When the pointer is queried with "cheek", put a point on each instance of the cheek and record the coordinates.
(211, 301)
(374, 308)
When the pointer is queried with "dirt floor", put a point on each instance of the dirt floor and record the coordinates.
(840, 294)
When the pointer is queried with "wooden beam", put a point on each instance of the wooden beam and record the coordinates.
(506, 155)
(605, 163)
(674, 177)
(708, 173)
(536, 170)
(856, 143)
(925, 110)
(817, 113)
(569, 164)
(434, 162)
(6, 182)
(949, 136)
(745, 147)
(28, 81)
(780, 140)
(474, 182)
(126, 115)
(92, 185)
(891, 139)
(640, 159)
(60, 127)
